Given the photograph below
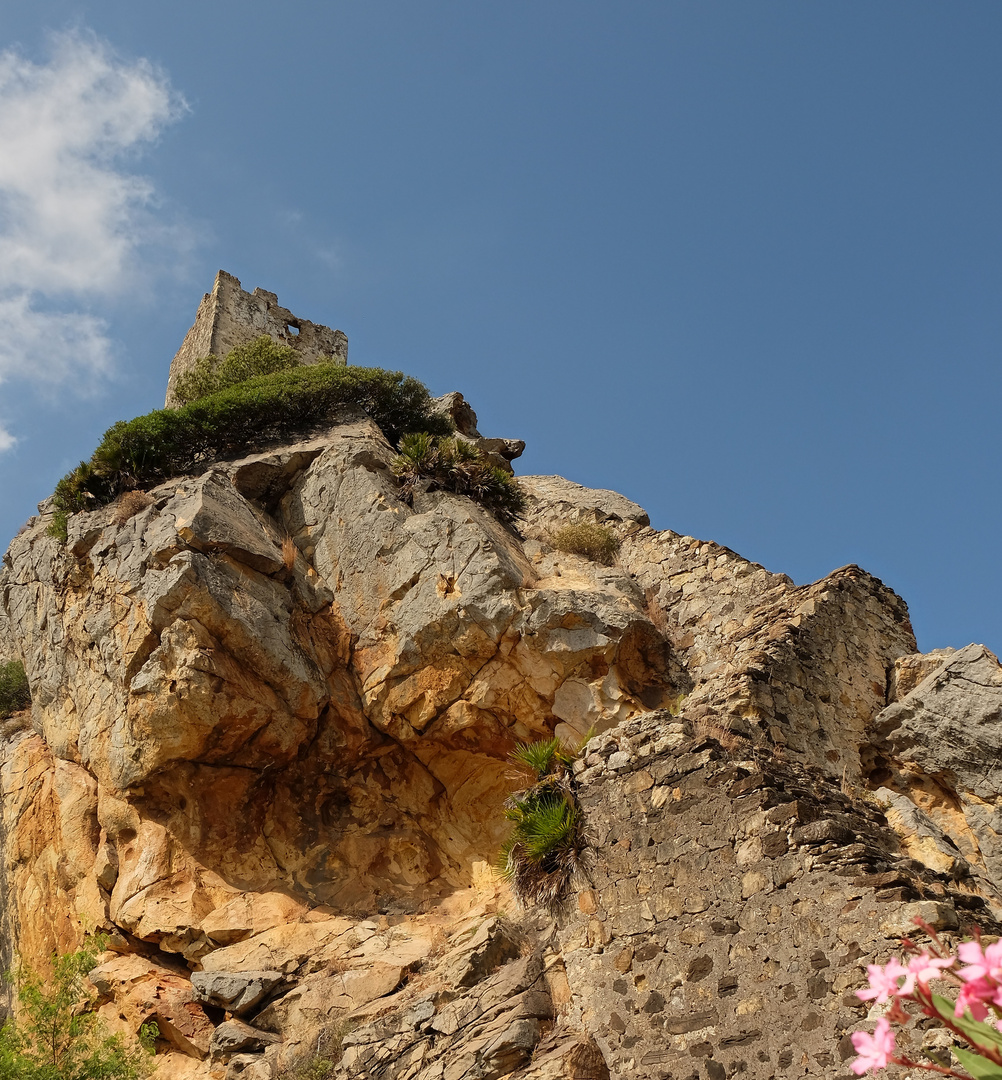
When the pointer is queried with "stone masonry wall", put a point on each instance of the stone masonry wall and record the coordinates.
(807, 667)
(732, 908)
(230, 316)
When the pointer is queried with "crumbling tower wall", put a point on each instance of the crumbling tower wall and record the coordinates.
(229, 316)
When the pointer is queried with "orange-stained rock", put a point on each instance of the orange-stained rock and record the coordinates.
(141, 991)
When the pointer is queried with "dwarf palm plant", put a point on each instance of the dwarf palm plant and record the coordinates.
(543, 757)
(544, 847)
(454, 464)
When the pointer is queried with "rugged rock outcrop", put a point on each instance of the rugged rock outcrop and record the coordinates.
(268, 755)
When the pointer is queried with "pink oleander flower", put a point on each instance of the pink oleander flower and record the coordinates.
(925, 968)
(884, 982)
(973, 995)
(874, 1050)
(981, 963)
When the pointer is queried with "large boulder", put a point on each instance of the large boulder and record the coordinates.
(238, 992)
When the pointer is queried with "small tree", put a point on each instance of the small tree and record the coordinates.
(55, 1036)
(14, 692)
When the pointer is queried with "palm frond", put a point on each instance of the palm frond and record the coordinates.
(548, 826)
(541, 756)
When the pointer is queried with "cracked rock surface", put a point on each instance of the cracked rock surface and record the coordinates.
(268, 753)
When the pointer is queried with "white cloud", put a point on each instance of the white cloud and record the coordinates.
(6, 439)
(50, 347)
(74, 219)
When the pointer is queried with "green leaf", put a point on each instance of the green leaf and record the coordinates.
(980, 1068)
(974, 1030)
(538, 756)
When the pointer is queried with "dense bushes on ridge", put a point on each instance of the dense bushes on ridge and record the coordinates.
(287, 403)
(210, 374)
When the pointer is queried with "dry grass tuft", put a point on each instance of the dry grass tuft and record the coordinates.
(129, 504)
(18, 722)
(655, 612)
(595, 542)
(288, 552)
(703, 727)
(321, 1062)
(862, 794)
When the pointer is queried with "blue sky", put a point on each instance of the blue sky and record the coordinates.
(739, 261)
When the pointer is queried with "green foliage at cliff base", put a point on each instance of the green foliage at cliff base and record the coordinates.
(55, 1036)
(283, 405)
(14, 692)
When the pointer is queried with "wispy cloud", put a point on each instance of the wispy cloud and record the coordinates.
(74, 218)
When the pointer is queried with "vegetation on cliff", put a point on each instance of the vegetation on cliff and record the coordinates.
(264, 356)
(543, 850)
(55, 1036)
(321, 1063)
(285, 404)
(593, 541)
(452, 464)
(14, 692)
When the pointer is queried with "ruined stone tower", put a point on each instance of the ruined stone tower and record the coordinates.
(228, 316)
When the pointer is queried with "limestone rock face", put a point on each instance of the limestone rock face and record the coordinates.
(236, 992)
(269, 751)
(940, 745)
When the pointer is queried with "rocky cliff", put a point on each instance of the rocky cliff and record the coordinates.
(268, 752)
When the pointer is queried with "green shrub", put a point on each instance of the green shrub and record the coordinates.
(544, 848)
(452, 464)
(544, 823)
(14, 692)
(292, 402)
(586, 538)
(55, 1036)
(210, 374)
(59, 525)
(544, 757)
